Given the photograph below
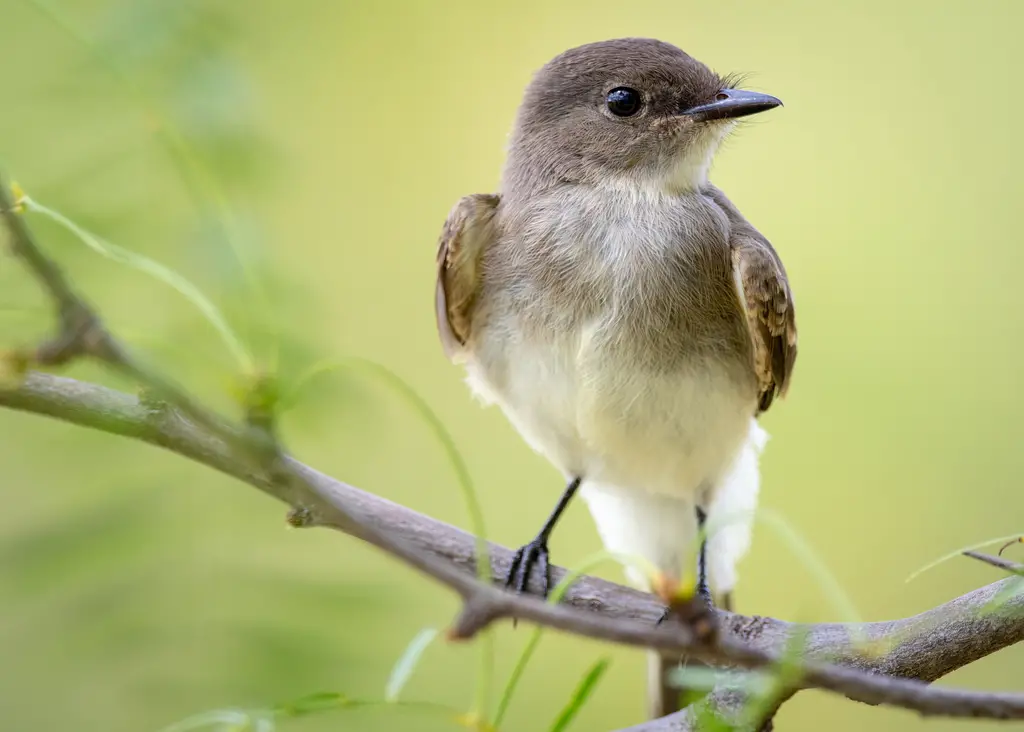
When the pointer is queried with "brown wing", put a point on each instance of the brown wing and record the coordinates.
(771, 314)
(467, 233)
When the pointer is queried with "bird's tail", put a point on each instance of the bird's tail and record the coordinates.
(730, 523)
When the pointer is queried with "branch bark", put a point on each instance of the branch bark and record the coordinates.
(914, 650)
(901, 656)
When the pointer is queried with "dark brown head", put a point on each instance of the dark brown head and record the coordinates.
(626, 112)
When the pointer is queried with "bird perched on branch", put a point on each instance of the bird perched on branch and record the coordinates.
(621, 311)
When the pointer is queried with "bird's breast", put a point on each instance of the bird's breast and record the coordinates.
(616, 345)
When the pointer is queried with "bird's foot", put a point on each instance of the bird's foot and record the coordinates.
(526, 557)
(704, 603)
(695, 608)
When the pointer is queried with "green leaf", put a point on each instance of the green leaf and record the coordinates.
(958, 552)
(1014, 587)
(311, 704)
(708, 719)
(706, 679)
(580, 696)
(217, 719)
(331, 701)
(407, 663)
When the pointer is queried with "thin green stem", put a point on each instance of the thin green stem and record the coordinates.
(473, 507)
(433, 708)
(585, 567)
(458, 464)
(156, 270)
(832, 588)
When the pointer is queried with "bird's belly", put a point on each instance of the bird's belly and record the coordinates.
(599, 411)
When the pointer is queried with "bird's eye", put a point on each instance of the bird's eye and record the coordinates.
(623, 101)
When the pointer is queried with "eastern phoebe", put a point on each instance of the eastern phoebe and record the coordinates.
(618, 307)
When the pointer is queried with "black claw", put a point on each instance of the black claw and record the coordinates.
(526, 557)
(536, 552)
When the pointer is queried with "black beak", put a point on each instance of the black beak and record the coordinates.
(732, 103)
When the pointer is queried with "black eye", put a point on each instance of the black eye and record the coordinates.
(623, 101)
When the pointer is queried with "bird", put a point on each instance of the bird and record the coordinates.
(628, 320)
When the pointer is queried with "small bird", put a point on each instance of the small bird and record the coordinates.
(621, 311)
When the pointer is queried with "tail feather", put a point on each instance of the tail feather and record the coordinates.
(731, 514)
(730, 524)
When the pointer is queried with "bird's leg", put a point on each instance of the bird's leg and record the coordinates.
(536, 552)
(703, 591)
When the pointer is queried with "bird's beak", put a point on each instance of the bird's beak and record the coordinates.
(732, 103)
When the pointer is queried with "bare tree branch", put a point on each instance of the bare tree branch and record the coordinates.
(924, 647)
(910, 652)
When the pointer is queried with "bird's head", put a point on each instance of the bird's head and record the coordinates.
(628, 112)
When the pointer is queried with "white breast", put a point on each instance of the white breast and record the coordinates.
(588, 408)
(585, 390)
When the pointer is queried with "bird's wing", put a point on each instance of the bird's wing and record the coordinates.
(467, 232)
(765, 292)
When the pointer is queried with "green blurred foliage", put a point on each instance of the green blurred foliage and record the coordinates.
(296, 160)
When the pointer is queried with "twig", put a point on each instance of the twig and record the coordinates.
(999, 562)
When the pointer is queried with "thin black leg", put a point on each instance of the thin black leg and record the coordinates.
(536, 552)
(702, 560)
(702, 590)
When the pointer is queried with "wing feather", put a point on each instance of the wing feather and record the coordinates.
(768, 300)
(467, 233)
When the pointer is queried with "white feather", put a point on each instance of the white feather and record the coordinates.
(731, 515)
(662, 529)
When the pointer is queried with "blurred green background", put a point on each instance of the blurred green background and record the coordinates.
(324, 143)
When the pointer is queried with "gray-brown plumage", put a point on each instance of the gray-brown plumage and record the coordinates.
(771, 316)
(619, 308)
